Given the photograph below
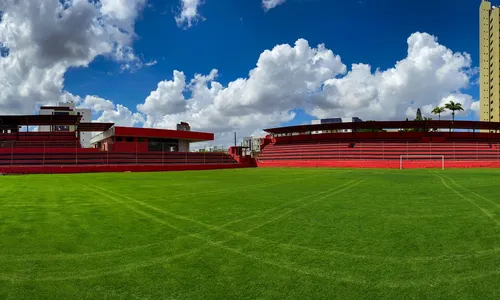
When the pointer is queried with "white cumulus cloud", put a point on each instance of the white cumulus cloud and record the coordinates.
(107, 110)
(168, 98)
(188, 15)
(270, 4)
(40, 41)
(121, 116)
(96, 104)
(430, 75)
(313, 79)
(43, 39)
(279, 83)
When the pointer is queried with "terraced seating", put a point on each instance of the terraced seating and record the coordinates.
(41, 144)
(379, 151)
(39, 136)
(64, 157)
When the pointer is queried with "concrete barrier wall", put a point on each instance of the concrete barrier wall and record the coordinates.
(387, 164)
(113, 168)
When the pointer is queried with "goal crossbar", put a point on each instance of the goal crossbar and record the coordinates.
(430, 156)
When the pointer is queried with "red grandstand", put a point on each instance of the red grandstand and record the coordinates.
(115, 148)
(367, 144)
(385, 144)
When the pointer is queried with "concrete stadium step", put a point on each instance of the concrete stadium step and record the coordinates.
(491, 156)
(381, 158)
(382, 153)
(100, 158)
(427, 145)
(382, 149)
(114, 161)
(281, 149)
(361, 153)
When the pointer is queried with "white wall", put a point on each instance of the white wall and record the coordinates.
(86, 118)
(256, 144)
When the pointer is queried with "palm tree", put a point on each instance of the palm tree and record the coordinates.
(453, 107)
(438, 111)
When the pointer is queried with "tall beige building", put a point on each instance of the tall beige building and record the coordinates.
(489, 55)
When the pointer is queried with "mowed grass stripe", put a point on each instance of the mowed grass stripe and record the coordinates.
(104, 272)
(130, 267)
(390, 259)
(486, 212)
(219, 244)
(472, 192)
(213, 226)
(79, 255)
(211, 260)
(288, 211)
(263, 184)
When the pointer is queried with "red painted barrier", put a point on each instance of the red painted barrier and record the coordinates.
(48, 150)
(390, 136)
(113, 168)
(382, 164)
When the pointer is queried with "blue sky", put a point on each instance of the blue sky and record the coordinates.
(234, 33)
(230, 36)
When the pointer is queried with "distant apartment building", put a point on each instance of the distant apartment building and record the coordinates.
(214, 149)
(489, 57)
(335, 120)
(68, 109)
(253, 143)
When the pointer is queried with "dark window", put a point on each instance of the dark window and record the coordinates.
(61, 128)
(166, 145)
(118, 139)
(129, 139)
(141, 140)
(61, 113)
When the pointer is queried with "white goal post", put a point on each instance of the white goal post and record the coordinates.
(430, 156)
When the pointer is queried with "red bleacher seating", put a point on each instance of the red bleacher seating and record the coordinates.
(64, 148)
(63, 156)
(378, 151)
(41, 140)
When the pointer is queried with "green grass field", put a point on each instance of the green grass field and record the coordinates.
(252, 234)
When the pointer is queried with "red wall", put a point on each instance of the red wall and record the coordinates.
(130, 147)
(112, 168)
(38, 136)
(236, 154)
(163, 133)
(395, 136)
(387, 164)
(48, 150)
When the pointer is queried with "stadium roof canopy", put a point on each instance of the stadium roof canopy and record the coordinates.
(41, 120)
(14, 121)
(380, 125)
(94, 127)
(192, 136)
(153, 133)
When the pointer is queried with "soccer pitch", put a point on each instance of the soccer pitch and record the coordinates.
(252, 234)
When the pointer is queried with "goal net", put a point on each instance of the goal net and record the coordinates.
(422, 161)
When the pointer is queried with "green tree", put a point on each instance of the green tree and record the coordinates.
(419, 115)
(438, 111)
(453, 107)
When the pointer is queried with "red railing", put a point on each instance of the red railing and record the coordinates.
(380, 151)
(67, 153)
